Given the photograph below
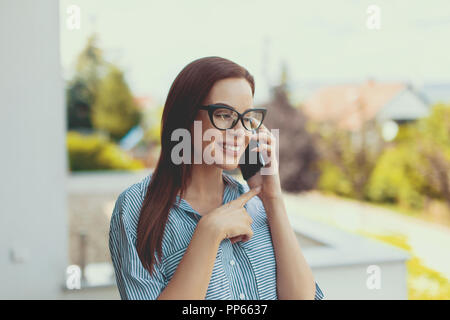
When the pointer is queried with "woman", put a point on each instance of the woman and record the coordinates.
(190, 231)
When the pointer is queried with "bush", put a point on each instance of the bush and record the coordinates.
(333, 180)
(415, 168)
(396, 178)
(433, 143)
(94, 152)
(347, 158)
(418, 165)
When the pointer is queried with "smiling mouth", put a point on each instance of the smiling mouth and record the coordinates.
(230, 148)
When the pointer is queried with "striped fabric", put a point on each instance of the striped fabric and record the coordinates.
(243, 270)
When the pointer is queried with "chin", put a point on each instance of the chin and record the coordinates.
(228, 167)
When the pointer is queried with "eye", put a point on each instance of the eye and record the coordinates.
(224, 114)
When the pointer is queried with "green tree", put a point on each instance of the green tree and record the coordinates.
(114, 111)
(417, 166)
(297, 150)
(78, 100)
(348, 157)
(82, 89)
(397, 177)
(433, 142)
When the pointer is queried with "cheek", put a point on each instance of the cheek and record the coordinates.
(210, 135)
(247, 141)
(205, 145)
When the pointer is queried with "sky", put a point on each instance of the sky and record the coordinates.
(319, 41)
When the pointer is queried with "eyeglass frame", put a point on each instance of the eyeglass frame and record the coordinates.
(213, 107)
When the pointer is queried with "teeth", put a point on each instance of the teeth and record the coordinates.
(232, 148)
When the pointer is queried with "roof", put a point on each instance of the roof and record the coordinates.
(350, 105)
(144, 102)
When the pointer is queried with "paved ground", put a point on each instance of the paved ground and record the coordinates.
(430, 242)
(91, 199)
(89, 215)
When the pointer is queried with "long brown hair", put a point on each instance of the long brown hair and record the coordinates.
(190, 88)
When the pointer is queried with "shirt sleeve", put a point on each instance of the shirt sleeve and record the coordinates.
(319, 294)
(133, 280)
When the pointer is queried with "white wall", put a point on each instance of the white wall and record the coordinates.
(350, 282)
(33, 218)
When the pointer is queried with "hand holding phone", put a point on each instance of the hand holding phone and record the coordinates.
(249, 169)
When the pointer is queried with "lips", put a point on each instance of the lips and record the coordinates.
(231, 149)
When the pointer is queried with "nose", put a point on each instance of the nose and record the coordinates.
(239, 127)
(238, 133)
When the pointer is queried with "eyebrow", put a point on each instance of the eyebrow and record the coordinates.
(226, 104)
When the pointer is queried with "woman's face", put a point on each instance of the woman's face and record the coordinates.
(229, 144)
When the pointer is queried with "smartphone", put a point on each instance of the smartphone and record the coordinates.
(249, 169)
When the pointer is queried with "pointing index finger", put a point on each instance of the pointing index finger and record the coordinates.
(243, 198)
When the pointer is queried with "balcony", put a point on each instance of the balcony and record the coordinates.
(341, 262)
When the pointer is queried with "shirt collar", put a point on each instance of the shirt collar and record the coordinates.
(230, 185)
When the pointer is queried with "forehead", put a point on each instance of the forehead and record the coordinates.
(234, 92)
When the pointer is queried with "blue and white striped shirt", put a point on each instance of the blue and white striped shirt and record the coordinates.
(243, 270)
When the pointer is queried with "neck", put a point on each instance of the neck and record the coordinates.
(206, 182)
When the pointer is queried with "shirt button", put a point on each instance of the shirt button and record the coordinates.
(232, 262)
(242, 296)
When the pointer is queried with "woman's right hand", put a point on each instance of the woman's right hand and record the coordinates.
(231, 220)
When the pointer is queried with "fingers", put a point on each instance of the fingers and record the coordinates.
(266, 143)
(265, 149)
(236, 239)
(263, 137)
(248, 217)
(247, 235)
(241, 222)
(242, 200)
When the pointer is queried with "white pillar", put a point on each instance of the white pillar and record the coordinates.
(33, 165)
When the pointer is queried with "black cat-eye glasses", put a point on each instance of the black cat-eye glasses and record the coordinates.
(224, 117)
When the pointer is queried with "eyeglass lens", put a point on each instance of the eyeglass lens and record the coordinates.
(226, 119)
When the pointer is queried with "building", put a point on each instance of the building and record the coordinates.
(351, 106)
